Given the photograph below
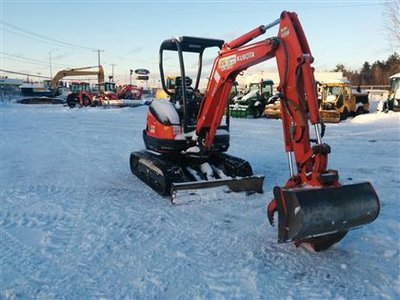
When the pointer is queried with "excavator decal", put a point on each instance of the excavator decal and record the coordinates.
(227, 63)
(245, 56)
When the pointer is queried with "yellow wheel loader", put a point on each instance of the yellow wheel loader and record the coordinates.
(340, 101)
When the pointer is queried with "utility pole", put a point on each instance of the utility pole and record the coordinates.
(98, 55)
(130, 76)
(51, 71)
(112, 72)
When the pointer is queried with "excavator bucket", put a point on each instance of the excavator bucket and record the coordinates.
(330, 116)
(306, 214)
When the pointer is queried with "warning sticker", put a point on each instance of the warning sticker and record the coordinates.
(217, 77)
(284, 32)
(227, 63)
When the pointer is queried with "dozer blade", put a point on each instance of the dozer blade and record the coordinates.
(188, 192)
(187, 179)
(311, 214)
(330, 116)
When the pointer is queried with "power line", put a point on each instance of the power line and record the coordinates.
(33, 38)
(26, 62)
(25, 74)
(30, 59)
(31, 33)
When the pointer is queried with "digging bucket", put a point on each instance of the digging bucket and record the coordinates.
(306, 213)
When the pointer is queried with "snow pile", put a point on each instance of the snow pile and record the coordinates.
(390, 118)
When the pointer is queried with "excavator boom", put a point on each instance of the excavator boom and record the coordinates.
(84, 71)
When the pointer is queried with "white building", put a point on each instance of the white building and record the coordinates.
(9, 88)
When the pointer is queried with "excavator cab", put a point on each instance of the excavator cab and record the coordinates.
(183, 105)
(186, 97)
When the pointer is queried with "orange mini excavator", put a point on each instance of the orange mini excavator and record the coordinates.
(186, 138)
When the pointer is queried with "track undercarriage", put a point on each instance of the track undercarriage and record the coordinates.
(168, 174)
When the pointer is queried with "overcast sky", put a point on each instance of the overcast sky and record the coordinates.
(130, 32)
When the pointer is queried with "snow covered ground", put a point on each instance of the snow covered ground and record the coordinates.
(76, 224)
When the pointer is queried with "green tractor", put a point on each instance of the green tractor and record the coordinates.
(252, 103)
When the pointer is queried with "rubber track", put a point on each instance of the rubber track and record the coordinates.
(173, 169)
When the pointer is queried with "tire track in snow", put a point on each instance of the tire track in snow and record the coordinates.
(42, 277)
(61, 242)
(57, 247)
(90, 151)
(87, 251)
(65, 235)
(299, 273)
(25, 206)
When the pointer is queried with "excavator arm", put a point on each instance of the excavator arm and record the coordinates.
(84, 71)
(312, 207)
(294, 60)
(299, 102)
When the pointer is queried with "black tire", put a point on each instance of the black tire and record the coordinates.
(85, 100)
(344, 115)
(258, 111)
(360, 110)
(72, 100)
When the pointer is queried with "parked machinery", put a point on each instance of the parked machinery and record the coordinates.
(110, 95)
(170, 86)
(394, 94)
(253, 102)
(340, 101)
(47, 92)
(81, 95)
(130, 92)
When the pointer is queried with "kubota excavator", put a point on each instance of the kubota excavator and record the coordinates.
(186, 141)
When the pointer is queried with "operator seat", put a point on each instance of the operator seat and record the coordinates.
(192, 102)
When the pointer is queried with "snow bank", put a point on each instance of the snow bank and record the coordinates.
(389, 118)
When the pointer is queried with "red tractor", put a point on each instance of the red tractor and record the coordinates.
(106, 94)
(81, 95)
(109, 95)
(130, 92)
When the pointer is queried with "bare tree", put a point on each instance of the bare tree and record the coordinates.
(392, 13)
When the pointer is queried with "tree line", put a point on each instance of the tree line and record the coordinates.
(377, 73)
